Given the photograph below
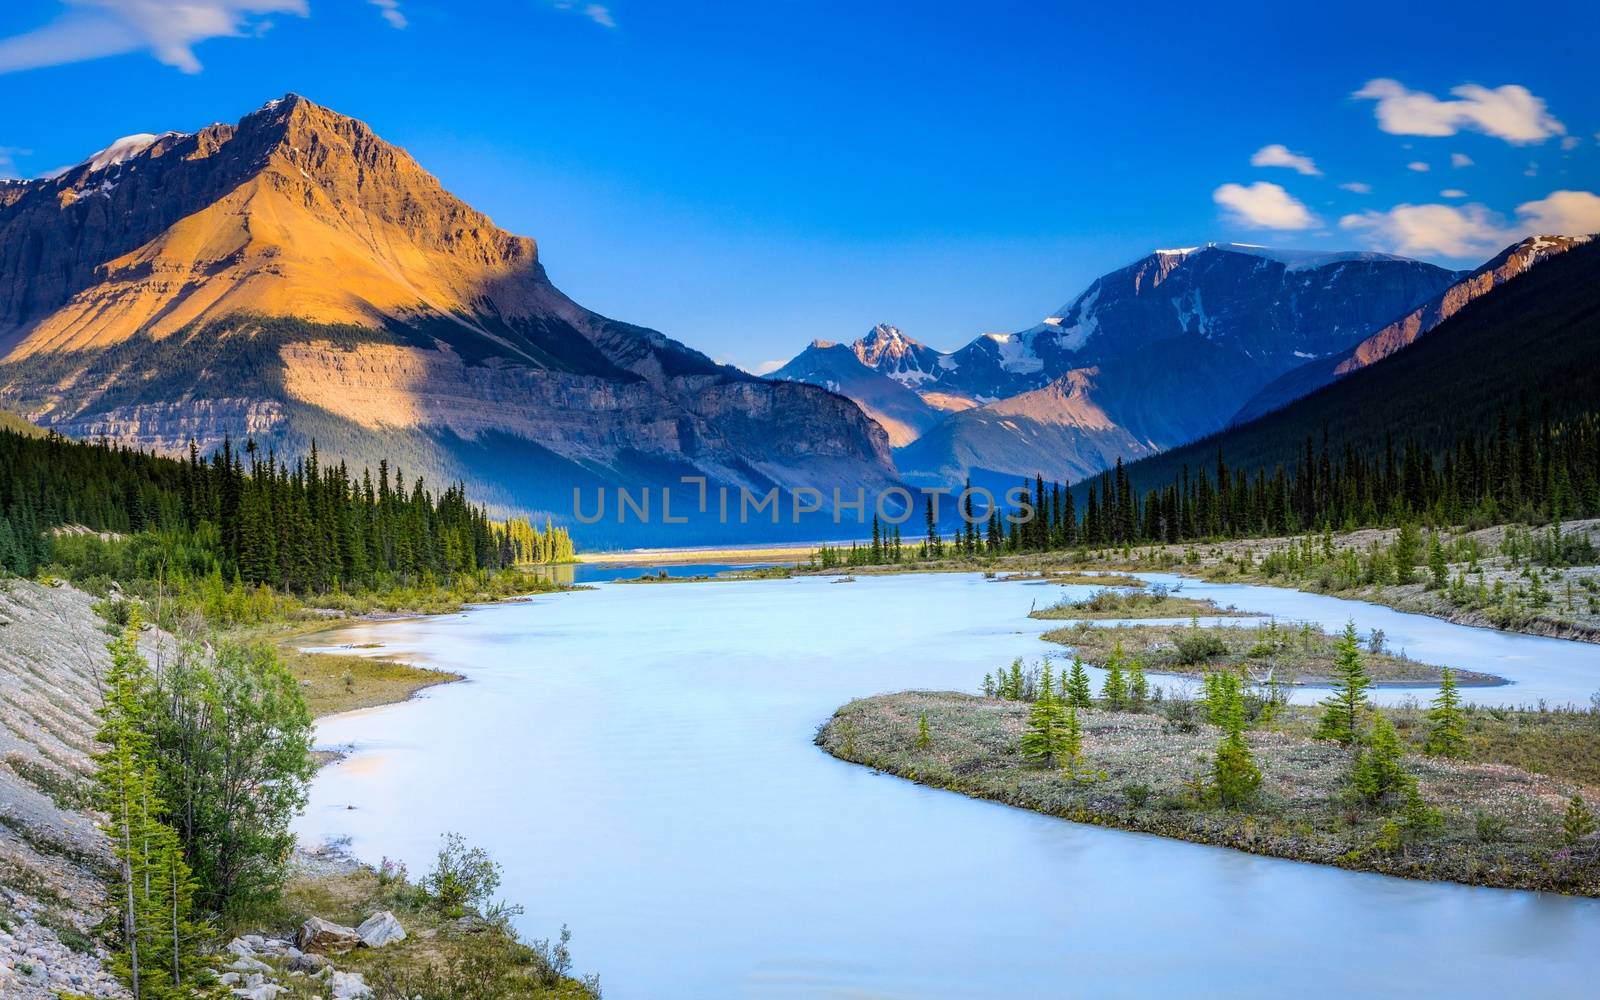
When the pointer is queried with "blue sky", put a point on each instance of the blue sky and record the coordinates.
(747, 177)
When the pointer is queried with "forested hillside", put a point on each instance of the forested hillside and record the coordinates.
(1520, 359)
(303, 527)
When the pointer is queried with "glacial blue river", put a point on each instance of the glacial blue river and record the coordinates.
(640, 760)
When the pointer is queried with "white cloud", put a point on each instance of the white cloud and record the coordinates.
(1430, 229)
(167, 29)
(1533, 169)
(1459, 160)
(1566, 213)
(1359, 187)
(1263, 206)
(390, 9)
(1570, 143)
(1474, 230)
(1418, 166)
(767, 367)
(598, 13)
(1510, 112)
(1278, 155)
(1452, 193)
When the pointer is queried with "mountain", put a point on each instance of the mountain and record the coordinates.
(1312, 375)
(1527, 349)
(1169, 348)
(867, 372)
(294, 277)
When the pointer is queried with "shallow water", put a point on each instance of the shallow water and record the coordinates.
(640, 760)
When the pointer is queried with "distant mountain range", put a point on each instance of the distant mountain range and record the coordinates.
(1524, 351)
(295, 278)
(1150, 356)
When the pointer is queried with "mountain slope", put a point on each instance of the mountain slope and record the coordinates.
(839, 368)
(1177, 340)
(1311, 376)
(1531, 345)
(295, 277)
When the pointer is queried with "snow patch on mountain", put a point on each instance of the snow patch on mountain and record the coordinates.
(1014, 353)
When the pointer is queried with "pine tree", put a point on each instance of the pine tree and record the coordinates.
(1438, 565)
(1446, 737)
(1404, 552)
(1234, 775)
(1071, 747)
(1578, 822)
(1138, 687)
(1343, 710)
(924, 738)
(1114, 691)
(1042, 738)
(1075, 691)
(153, 891)
(1378, 772)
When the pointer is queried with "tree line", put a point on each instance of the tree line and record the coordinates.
(1519, 470)
(300, 527)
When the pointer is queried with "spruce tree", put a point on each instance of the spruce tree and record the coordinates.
(924, 738)
(1138, 687)
(1378, 772)
(1234, 775)
(1075, 690)
(1042, 738)
(1114, 691)
(1446, 735)
(1343, 709)
(1071, 745)
(1438, 566)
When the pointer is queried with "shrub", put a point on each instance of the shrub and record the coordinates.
(1200, 647)
(462, 877)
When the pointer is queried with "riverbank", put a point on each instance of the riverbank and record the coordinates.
(1285, 654)
(1506, 577)
(54, 860)
(1107, 605)
(1499, 825)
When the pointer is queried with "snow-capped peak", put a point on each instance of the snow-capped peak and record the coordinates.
(123, 150)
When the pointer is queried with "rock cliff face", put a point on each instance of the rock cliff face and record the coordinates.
(295, 277)
(1313, 375)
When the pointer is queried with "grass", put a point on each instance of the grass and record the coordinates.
(440, 959)
(1293, 654)
(1499, 825)
(342, 682)
(1112, 604)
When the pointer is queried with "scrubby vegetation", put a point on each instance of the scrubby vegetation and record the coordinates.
(1447, 793)
(1283, 653)
(1156, 602)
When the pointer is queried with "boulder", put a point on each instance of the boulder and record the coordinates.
(348, 986)
(380, 929)
(307, 962)
(326, 937)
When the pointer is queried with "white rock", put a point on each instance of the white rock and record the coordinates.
(380, 929)
(349, 986)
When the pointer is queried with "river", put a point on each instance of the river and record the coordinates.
(640, 760)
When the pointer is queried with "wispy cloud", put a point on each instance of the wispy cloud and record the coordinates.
(598, 13)
(1472, 230)
(1570, 143)
(1279, 155)
(1418, 166)
(8, 161)
(1510, 112)
(390, 9)
(1359, 187)
(1459, 160)
(167, 29)
(1263, 206)
(1452, 193)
